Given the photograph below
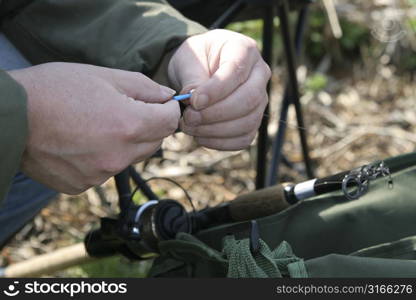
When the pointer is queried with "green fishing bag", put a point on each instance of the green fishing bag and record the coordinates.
(323, 236)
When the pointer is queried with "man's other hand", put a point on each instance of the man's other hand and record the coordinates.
(88, 123)
(229, 77)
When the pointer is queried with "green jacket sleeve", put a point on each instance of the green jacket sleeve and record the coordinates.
(126, 34)
(13, 129)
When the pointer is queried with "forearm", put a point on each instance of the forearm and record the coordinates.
(13, 129)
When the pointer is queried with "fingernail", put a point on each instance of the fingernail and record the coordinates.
(200, 102)
(167, 92)
(192, 118)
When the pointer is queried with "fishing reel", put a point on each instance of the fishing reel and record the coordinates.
(138, 229)
(137, 233)
(156, 221)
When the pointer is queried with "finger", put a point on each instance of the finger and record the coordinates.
(192, 72)
(140, 87)
(237, 59)
(227, 129)
(228, 144)
(242, 102)
(149, 122)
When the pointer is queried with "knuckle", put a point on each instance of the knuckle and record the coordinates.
(218, 31)
(255, 98)
(267, 70)
(139, 76)
(264, 100)
(251, 43)
(253, 122)
(259, 120)
(213, 115)
(253, 135)
(143, 79)
(256, 95)
(129, 129)
(239, 71)
(247, 140)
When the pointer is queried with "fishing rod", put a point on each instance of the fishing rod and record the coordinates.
(353, 184)
(138, 229)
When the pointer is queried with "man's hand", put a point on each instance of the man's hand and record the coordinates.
(88, 123)
(229, 77)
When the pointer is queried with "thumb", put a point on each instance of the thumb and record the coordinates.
(188, 68)
(189, 79)
(140, 87)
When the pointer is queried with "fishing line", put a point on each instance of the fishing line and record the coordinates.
(189, 198)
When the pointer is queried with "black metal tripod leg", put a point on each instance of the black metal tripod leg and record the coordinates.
(227, 17)
(123, 189)
(262, 141)
(293, 83)
(277, 155)
(278, 141)
(142, 184)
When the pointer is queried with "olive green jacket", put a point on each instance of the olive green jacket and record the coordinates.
(125, 34)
